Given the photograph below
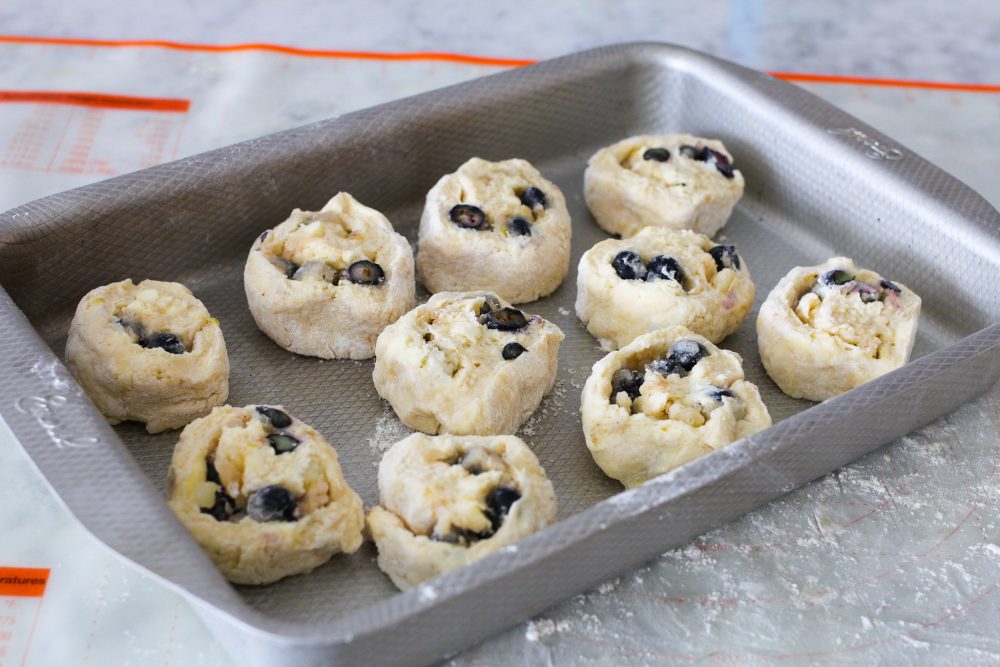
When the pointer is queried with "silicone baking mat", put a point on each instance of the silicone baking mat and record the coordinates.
(893, 556)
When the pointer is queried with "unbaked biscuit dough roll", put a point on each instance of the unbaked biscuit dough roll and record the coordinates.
(466, 363)
(324, 284)
(677, 181)
(664, 399)
(262, 493)
(149, 353)
(826, 329)
(495, 226)
(449, 500)
(658, 278)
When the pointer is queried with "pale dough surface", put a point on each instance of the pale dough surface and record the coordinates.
(310, 315)
(710, 302)
(129, 382)
(328, 517)
(673, 420)
(819, 341)
(518, 268)
(442, 370)
(626, 192)
(434, 489)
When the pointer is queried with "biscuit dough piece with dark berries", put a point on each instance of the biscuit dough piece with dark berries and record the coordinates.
(466, 363)
(324, 284)
(262, 493)
(658, 278)
(826, 329)
(664, 399)
(495, 226)
(449, 500)
(677, 181)
(149, 353)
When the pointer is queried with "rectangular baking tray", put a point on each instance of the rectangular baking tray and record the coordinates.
(819, 183)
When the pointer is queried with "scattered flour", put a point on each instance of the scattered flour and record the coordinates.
(388, 431)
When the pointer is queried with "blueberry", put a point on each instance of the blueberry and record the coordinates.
(468, 216)
(503, 319)
(716, 393)
(629, 266)
(725, 257)
(271, 503)
(700, 154)
(662, 267)
(892, 287)
(512, 351)
(499, 502)
(282, 443)
(277, 418)
(658, 154)
(835, 277)
(721, 163)
(223, 508)
(263, 234)
(532, 197)
(165, 341)
(286, 266)
(681, 358)
(462, 536)
(628, 381)
(211, 474)
(490, 302)
(364, 272)
(518, 227)
(868, 293)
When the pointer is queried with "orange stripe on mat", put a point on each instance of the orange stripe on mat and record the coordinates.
(276, 48)
(890, 83)
(457, 58)
(27, 582)
(102, 100)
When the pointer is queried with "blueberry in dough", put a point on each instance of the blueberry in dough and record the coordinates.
(282, 443)
(518, 227)
(468, 216)
(662, 267)
(725, 257)
(503, 319)
(891, 286)
(868, 293)
(681, 358)
(658, 154)
(165, 341)
(628, 381)
(365, 272)
(533, 197)
(512, 351)
(276, 417)
(223, 508)
(271, 503)
(499, 501)
(629, 266)
(835, 277)
(717, 393)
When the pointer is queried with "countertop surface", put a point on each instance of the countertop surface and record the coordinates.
(894, 559)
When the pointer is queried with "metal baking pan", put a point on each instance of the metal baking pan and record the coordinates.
(819, 183)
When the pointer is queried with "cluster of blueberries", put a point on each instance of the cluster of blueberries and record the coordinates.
(493, 316)
(270, 503)
(498, 504)
(682, 356)
(702, 154)
(866, 291)
(468, 216)
(630, 266)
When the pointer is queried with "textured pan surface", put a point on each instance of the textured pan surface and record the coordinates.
(814, 189)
